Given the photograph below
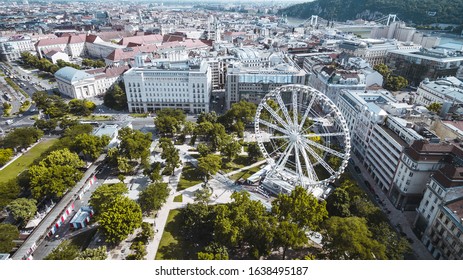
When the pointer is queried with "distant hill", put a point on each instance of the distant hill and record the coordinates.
(418, 12)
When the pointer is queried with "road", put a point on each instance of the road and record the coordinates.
(40, 232)
(402, 221)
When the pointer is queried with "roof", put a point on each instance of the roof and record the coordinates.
(71, 74)
(142, 40)
(108, 72)
(73, 39)
(449, 176)
(456, 207)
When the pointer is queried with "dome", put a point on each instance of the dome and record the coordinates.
(71, 75)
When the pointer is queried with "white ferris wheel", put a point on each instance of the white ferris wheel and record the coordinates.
(303, 136)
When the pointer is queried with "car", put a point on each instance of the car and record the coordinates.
(357, 169)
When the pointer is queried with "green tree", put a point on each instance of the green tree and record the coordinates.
(170, 154)
(146, 233)
(396, 83)
(106, 194)
(349, 238)
(81, 107)
(230, 148)
(55, 174)
(9, 191)
(8, 233)
(65, 251)
(23, 209)
(300, 208)
(119, 218)
(209, 165)
(198, 223)
(203, 150)
(435, 107)
(21, 138)
(47, 126)
(90, 146)
(116, 98)
(214, 251)
(5, 156)
(338, 203)
(98, 253)
(207, 117)
(396, 246)
(139, 251)
(153, 197)
(254, 151)
(167, 125)
(77, 129)
(134, 144)
(155, 175)
(289, 235)
(203, 195)
(178, 114)
(188, 128)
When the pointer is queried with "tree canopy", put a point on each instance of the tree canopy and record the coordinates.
(349, 238)
(23, 209)
(55, 174)
(21, 138)
(119, 218)
(209, 165)
(8, 233)
(153, 197)
(106, 194)
(134, 144)
(116, 98)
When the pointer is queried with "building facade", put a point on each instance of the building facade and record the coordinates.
(159, 84)
(12, 47)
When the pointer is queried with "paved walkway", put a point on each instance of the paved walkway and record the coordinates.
(222, 189)
(402, 220)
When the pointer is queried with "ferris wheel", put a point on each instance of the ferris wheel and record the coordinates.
(303, 136)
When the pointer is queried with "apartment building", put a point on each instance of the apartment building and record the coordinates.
(12, 47)
(155, 84)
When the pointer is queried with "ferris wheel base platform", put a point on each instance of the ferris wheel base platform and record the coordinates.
(277, 186)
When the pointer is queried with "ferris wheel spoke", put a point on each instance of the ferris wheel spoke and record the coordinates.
(283, 108)
(295, 113)
(307, 110)
(324, 134)
(282, 161)
(310, 171)
(279, 137)
(276, 116)
(319, 159)
(299, 171)
(324, 148)
(277, 149)
(271, 125)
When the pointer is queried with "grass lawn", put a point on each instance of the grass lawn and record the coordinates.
(139, 115)
(91, 118)
(24, 161)
(190, 177)
(237, 163)
(178, 198)
(245, 173)
(172, 246)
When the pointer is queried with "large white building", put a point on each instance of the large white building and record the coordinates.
(155, 84)
(12, 47)
(256, 73)
(85, 84)
(443, 90)
(374, 51)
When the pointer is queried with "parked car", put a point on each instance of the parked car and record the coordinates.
(357, 169)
